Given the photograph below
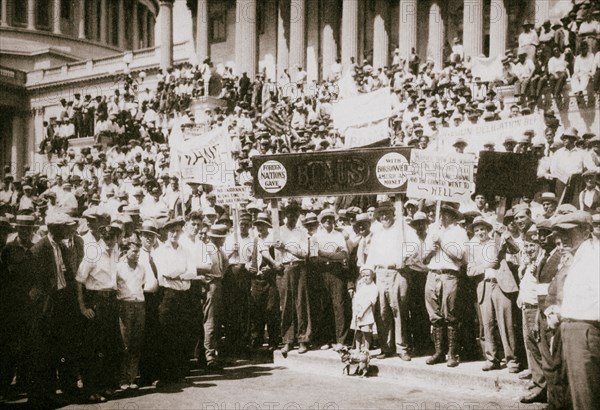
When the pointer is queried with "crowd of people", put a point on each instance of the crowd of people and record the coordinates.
(115, 272)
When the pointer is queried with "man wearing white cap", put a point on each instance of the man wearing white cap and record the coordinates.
(385, 256)
(332, 252)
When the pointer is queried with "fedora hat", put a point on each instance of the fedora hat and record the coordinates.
(58, 219)
(452, 210)
(363, 219)
(569, 132)
(547, 197)
(310, 219)
(292, 206)
(218, 231)
(25, 220)
(480, 221)
(171, 223)
(149, 226)
(418, 217)
(326, 213)
(263, 218)
(384, 206)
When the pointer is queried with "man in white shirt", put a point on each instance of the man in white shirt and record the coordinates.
(583, 70)
(557, 69)
(528, 40)
(576, 305)
(569, 160)
(332, 253)
(386, 257)
(523, 70)
(236, 285)
(444, 255)
(293, 286)
(131, 279)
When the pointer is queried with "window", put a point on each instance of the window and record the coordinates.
(43, 10)
(150, 30)
(218, 27)
(20, 13)
(65, 9)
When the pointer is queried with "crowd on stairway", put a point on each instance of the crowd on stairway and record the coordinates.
(115, 272)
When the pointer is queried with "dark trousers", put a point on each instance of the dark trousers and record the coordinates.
(102, 342)
(553, 366)
(418, 323)
(581, 350)
(173, 317)
(332, 318)
(264, 311)
(531, 337)
(295, 306)
(55, 346)
(440, 298)
(150, 354)
(236, 308)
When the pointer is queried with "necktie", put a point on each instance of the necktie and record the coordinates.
(61, 282)
(153, 265)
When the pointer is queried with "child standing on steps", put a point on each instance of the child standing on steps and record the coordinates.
(362, 309)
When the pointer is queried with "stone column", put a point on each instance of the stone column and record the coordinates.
(245, 38)
(473, 27)
(312, 40)
(103, 21)
(329, 36)
(498, 27)
(435, 40)
(283, 12)
(34, 136)
(121, 24)
(4, 14)
(349, 31)
(135, 32)
(17, 149)
(202, 47)
(81, 19)
(380, 35)
(30, 14)
(56, 17)
(297, 36)
(407, 36)
(166, 33)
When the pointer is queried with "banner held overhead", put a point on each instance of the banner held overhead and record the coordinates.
(368, 171)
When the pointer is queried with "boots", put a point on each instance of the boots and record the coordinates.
(452, 346)
(438, 357)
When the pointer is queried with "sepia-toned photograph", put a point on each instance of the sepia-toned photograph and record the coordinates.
(300, 204)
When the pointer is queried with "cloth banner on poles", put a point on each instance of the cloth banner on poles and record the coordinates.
(200, 157)
(487, 68)
(494, 131)
(362, 118)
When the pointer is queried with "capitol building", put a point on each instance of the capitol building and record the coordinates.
(53, 49)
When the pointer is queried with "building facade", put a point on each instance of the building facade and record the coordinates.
(63, 47)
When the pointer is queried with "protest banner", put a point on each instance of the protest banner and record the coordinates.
(201, 157)
(441, 176)
(476, 135)
(232, 195)
(365, 171)
(363, 119)
(487, 68)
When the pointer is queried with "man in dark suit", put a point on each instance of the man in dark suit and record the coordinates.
(54, 305)
(13, 300)
(496, 288)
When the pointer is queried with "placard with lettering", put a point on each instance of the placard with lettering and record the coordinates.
(441, 176)
(364, 171)
(232, 195)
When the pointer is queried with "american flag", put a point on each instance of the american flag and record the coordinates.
(275, 118)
